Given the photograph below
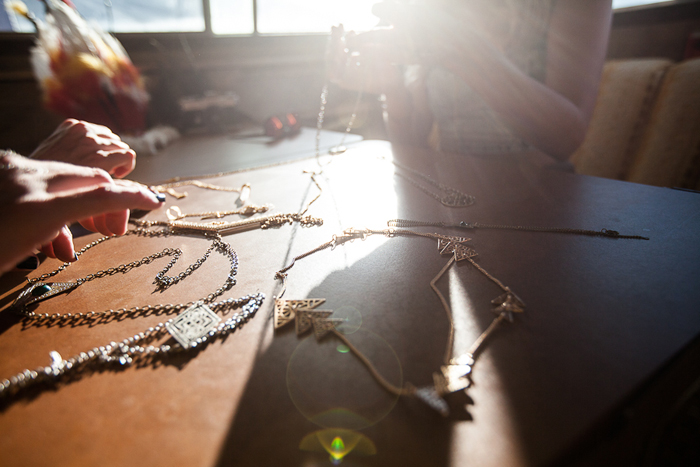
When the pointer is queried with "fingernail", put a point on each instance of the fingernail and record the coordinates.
(31, 263)
(160, 197)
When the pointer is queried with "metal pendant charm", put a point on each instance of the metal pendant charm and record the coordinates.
(41, 291)
(433, 400)
(190, 326)
(455, 246)
(325, 325)
(286, 310)
(456, 199)
(507, 304)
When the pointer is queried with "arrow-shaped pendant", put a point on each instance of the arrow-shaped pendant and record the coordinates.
(38, 291)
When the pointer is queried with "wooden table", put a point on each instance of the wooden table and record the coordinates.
(604, 316)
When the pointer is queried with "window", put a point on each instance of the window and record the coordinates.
(228, 17)
(629, 3)
(308, 16)
(232, 16)
(120, 15)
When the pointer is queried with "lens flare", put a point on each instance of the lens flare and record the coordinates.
(333, 389)
(338, 443)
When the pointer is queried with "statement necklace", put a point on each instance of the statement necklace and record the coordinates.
(226, 228)
(454, 374)
(197, 326)
(39, 289)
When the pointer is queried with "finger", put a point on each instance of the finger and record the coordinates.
(47, 250)
(99, 200)
(117, 221)
(94, 141)
(43, 151)
(100, 130)
(108, 144)
(119, 162)
(89, 224)
(101, 225)
(67, 123)
(69, 178)
(63, 245)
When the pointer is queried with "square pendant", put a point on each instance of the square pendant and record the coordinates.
(192, 324)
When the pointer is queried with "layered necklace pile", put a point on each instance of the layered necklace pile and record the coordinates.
(196, 324)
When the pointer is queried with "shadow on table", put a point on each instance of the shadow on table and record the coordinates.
(299, 386)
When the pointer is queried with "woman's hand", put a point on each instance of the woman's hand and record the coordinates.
(39, 198)
(89, 145)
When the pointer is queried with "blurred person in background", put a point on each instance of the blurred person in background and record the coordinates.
(481, 76)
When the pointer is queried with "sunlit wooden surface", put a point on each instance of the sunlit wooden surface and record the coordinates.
(603, 315)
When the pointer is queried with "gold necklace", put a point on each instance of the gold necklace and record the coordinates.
(227, 228)
(454, 375)
(38, 289)
(447, 195)
(174, 213)
(476, 225)
(168, 187)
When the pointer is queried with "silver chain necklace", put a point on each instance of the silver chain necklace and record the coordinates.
(197, 326)
(39, 289)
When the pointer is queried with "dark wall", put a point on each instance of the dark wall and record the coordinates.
(661, 31)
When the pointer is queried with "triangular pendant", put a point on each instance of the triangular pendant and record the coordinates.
(324, 325)
(285, 310)
(305, 319)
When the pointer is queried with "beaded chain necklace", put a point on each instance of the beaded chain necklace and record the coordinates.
(197, 325)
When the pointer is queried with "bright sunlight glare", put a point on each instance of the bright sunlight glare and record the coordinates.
(300, 16)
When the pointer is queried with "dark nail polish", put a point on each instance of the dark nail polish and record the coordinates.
(160, 197)
(31, 263)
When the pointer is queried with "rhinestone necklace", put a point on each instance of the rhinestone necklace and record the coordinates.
(195, 327)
